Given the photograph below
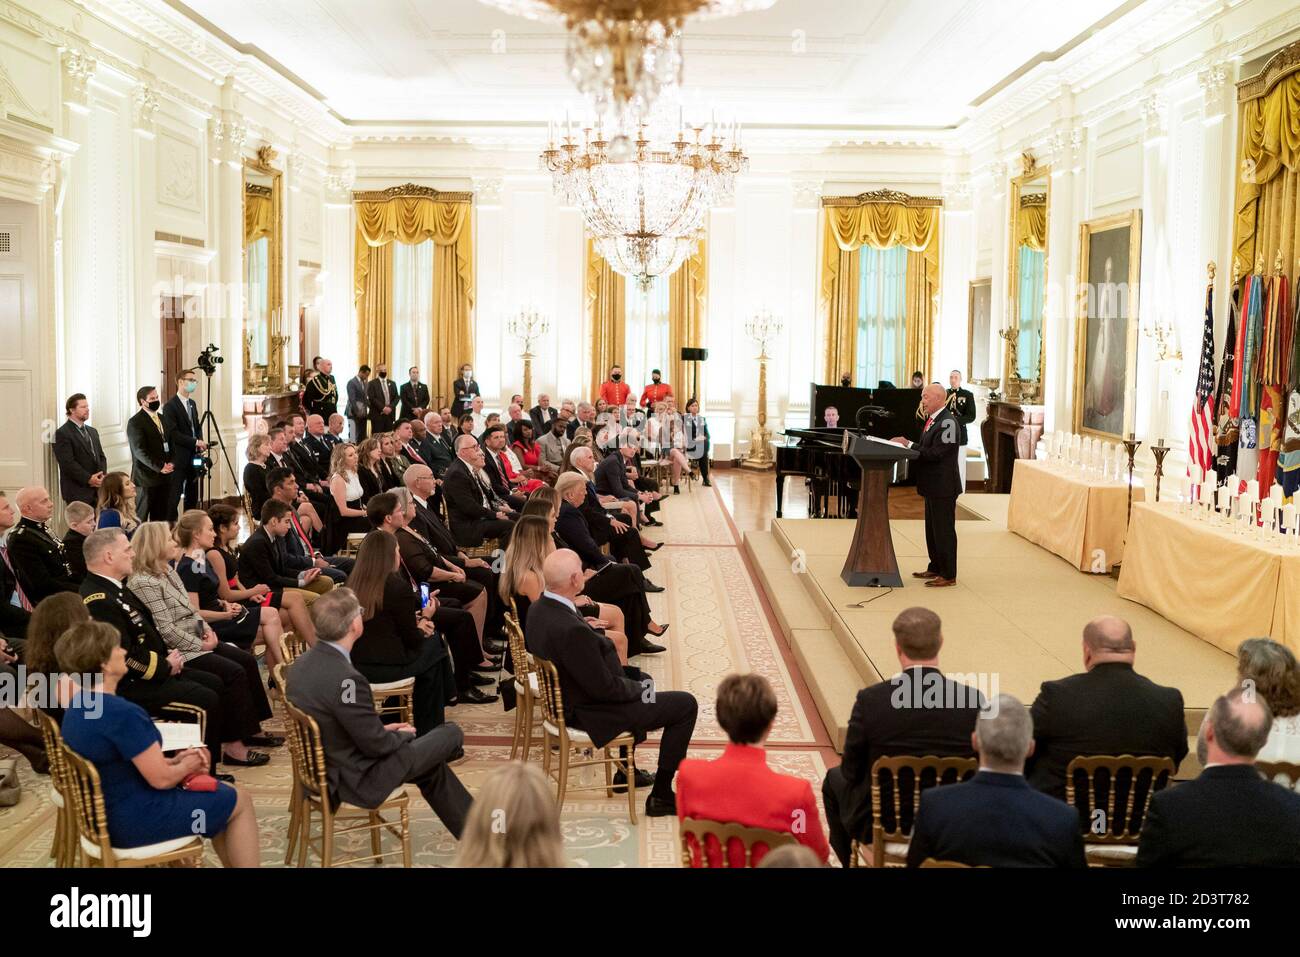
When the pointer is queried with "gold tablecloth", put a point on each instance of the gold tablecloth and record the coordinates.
(1221, 587)
(1079, 517)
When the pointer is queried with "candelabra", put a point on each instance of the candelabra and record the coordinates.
(762, 328)
(1012, 383)
(1131, 446)
(1159, 451)
(528, 326)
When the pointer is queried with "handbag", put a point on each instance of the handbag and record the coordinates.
(11, 788)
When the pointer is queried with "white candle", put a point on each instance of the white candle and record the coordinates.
(1225, 497)
(1288, 517)
(1252, 489)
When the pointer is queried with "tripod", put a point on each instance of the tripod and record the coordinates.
(207, 425)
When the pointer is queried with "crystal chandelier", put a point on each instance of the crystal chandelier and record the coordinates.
(641, 258)
(622, 53)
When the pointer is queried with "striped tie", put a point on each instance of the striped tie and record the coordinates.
(23, 603)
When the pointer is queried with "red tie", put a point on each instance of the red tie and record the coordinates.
(415, 456)
(23, 603)
(301, 534)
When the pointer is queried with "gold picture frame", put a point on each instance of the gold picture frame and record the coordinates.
(979, 303)
(1097, 391)
(263, 183)
(1032, 187)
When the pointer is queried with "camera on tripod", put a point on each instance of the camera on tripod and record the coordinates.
(209, 360)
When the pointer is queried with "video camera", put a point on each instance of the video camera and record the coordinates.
(209, 360)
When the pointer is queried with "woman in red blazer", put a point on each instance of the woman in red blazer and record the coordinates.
(739, 787)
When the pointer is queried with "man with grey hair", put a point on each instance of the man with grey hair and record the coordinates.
(938, 482)
(473, 510)
(996, 819)
(1229, 816)
(368, 759)
(1108, 708)
(542, 415)
(585, 416)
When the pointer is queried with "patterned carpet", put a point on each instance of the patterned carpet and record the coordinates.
(720, 624)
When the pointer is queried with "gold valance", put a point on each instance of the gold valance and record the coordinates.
(1031, 222)
(259, 213)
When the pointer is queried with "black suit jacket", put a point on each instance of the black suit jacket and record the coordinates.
(890, 718)
(79, 458)
(542, 419)
(1228, 817)
(13, 620)
(255, 486)
(995, 820)
(1109, 710)
(961, 403)
(306, 467)
(599, 697)
(413, 397)
(936, 467)
(261, 561)
(463, 493)
(463, 396)
(321, 449)
(429, 524)
(379, 397)
(390, 636)
(573, 528)
(182, 427)
(148, 450)
(611, 477)
(492, 466)
(39, 561)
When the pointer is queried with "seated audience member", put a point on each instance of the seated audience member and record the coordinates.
(262, 561)
(473, 509)
(156, 676)
(334, 429)
(368, 759)
(437, 450)
(398, 639)
(543, 414)
(738, 787)
(35, 556)
(465, 425)
(318, 444)
(519, 793)
(50, 620)
(666, 439)
(1229, 816)
(996, 819)
(477, 416)
(259, 450)
(290, 602)
(1108, 708)
(584, 416)
(241, 625)
(1271, 670)
(15, 606)
(81, 522)
(617, 475)
(307, 468)
(406, 441)
(576, 520)
(117, 503)
(369, 469)
(143, 797)
(391, 464)
(244, 701)
(16, 731)
(601, 696)
(348, 494)
(554, 442)
(300, 553)
(792, 855)
(522, 583)
(625, 542)
(506, 483)
(917, 712)
(529, 454)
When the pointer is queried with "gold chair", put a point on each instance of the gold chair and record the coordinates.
(352, 545)
(559, 740)
(311, 785)
(91, 821)
(527, 691)
(291, 647)
(935, 862)
(725, 833)
(889, 848)
(1281, 772)
(63, 850)
(248, 513)
(486, 549)
(1111, 840)
(403, 691)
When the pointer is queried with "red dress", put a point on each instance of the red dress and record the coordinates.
(528, 486)
(530, 457)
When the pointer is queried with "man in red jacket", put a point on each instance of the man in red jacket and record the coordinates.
(739, 787)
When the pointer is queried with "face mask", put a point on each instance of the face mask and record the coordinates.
(383, 373)
(656, 380)
(191, 386)
(616, 376)
(468, 375)
(154, 406)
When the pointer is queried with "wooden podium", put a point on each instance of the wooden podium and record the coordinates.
(871, 561)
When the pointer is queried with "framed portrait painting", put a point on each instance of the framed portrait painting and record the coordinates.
(979, 326)
(1106, 329)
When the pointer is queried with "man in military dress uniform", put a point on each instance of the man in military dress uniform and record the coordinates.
(961, 403)
(321, 393)
(153, 678)
(36, 555)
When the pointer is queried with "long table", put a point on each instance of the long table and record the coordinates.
(1079, 517)
(1221, 587)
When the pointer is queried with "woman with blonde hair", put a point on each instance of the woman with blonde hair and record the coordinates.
(348, 495)
(243, 699)
(1272, 671)
(259, 448)
(390, 464)
(513, 822)
(116, 505)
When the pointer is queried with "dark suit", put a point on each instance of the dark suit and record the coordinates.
(1109, 710)
(181, 422)
(1228, 817)
(321, 396)
(471, 507)
(413, 397)
(321, 448)
(611, 478)
(80, 455)
(149, 453)
(367, 763)
(13, 619)
(39, 561)
(358, 407)
(73, 543)
(497, 476)
(995, 820)
(624, 546)
(961, 403)
(255, 486)
(261, 561)
(602, 697)
(542, 419)
(380, 393)
(463, 396)
(890, 718)
(939, 483)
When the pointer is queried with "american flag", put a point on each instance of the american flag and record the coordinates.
(1201, 445)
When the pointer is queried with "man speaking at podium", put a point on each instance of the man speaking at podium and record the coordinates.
(939, 483)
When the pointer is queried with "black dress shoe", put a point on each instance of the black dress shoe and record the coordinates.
(482, 681)
(656, 806)
(474, 696)
(658, 545)
(644, 779)
(707, 484)
(494, 646)
(652, 589)
(647, 648)
(653, 522)
(225, 777)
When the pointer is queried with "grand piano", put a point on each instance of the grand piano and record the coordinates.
(817, 453)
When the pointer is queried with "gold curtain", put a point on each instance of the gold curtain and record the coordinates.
(1031, 225)
(258, 218)
(688, 290)
(607, 308)
(1268, 168)
(891, 220)
(413, 215)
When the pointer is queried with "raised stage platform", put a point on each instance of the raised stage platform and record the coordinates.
(1016, 615)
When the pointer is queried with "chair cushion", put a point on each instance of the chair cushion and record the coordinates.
(145, 851)
(1111, 853)
(393, 687)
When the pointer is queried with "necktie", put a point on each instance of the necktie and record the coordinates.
(415, 456)
(23, 603)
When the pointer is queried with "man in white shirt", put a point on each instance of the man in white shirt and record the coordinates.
(480, 420)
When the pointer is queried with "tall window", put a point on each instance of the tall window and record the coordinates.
(255, 264)
(1031, 312)
(882, 316)
(412, 308)
(646, 336)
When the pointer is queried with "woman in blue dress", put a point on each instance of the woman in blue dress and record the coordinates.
(143, 799)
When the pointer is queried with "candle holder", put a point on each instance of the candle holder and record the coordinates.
(763, 327)
(1159, 451)
(528, 325)
(1131, 446)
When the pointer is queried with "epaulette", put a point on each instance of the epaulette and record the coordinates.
(95, 597)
